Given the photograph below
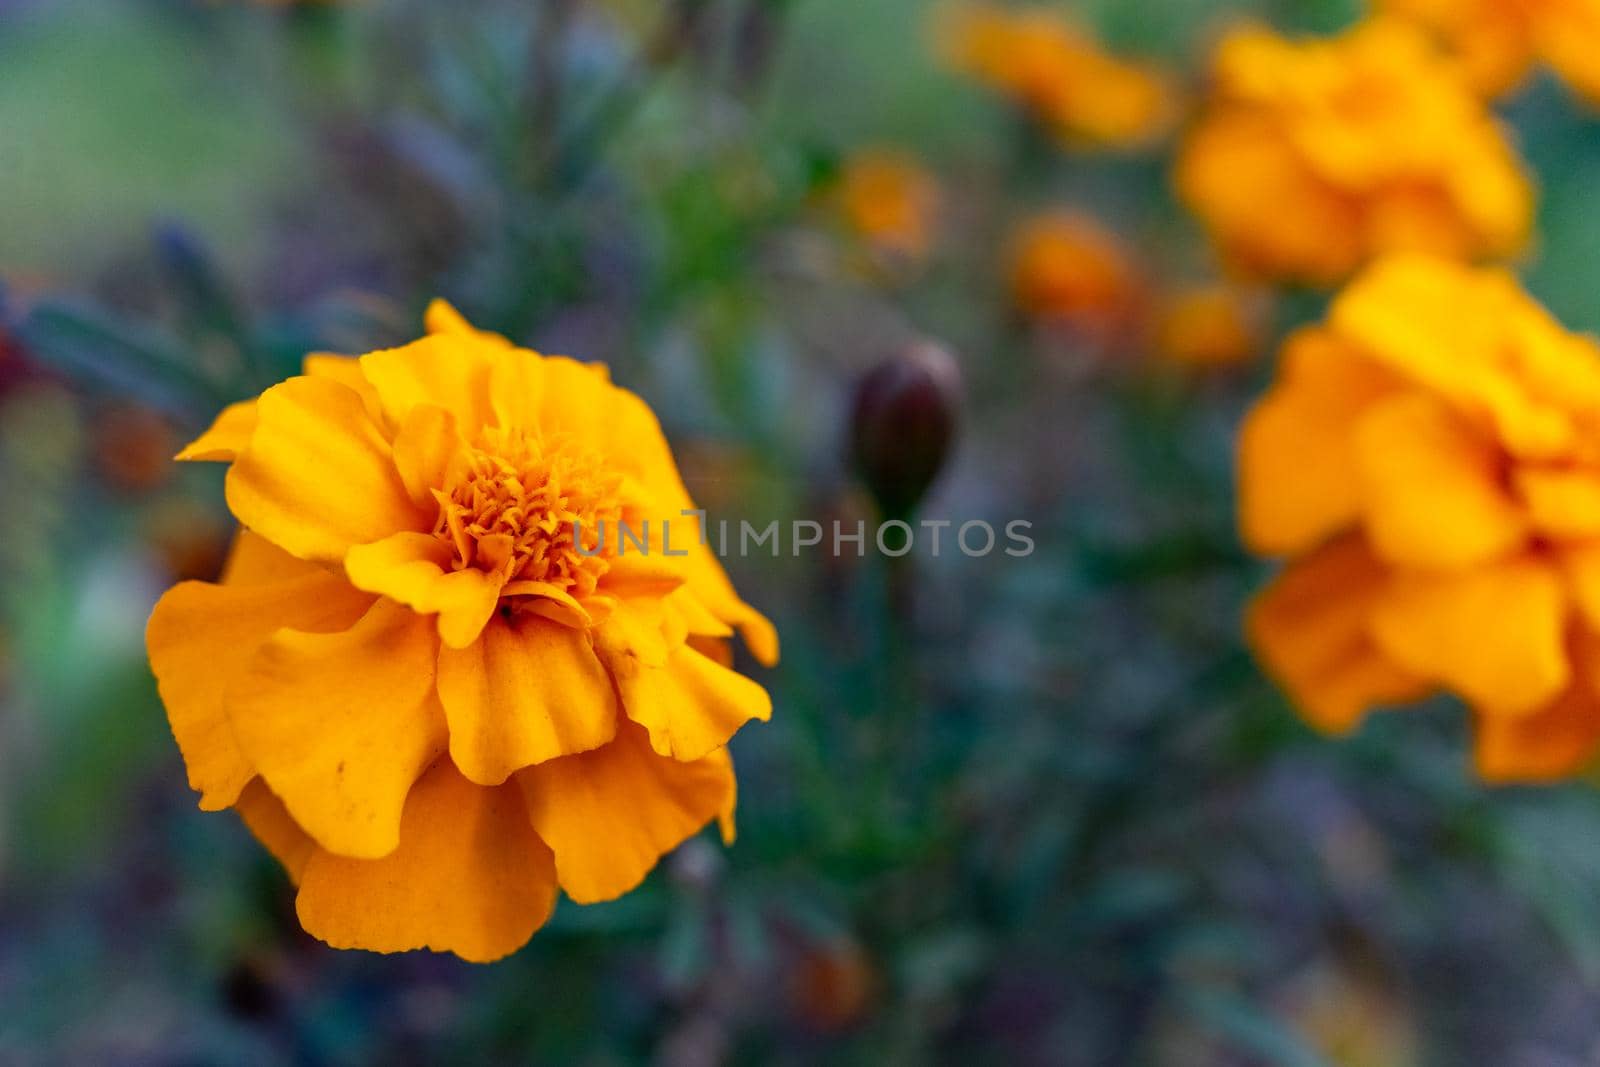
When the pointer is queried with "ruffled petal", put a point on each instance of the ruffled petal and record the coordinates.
(1494, 634)
(424, 447)
(340, 725)
(446, 370)
(528, 690)
(1430, 487)
(1552, 743)
(470, 877)
(271, 824)
(201, 637)
(226, 438)
(610, 814)
(1298, 479)
(1561, 503)
(692, 705)
(412, 568)
(1310, 628)
(318, 475)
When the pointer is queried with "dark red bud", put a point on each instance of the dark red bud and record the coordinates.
(903, 425)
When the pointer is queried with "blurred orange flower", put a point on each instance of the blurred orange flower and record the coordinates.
(1214, 325)
(429, 690)
(1058, 72)
(1067, 267)
(889, 200)
(1499, 41)
(1429, 461)
(1314, 157)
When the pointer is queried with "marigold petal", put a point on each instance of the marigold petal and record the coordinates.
(1310, 628)
(1299, 482)
(272, 825)
(647, 804)
(201, 637)
(1580, 564)
(226, 438)
(1495, 634)
(692, 705)
(412, 569)
(446, 370)
(528, 690)
(470, 877)
(1563, 504)
(424, 447)
(1430, 487)
(1555, 742)
(340, 725)
(318, 476)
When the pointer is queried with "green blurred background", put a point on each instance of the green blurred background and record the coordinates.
(1032, 811)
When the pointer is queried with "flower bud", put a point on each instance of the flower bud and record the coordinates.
(903, 424)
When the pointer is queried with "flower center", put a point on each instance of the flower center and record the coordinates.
(512, 506)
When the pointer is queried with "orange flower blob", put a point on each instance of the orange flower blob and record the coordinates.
(437, 678)
(1210, 326)
(1058, 73)
(890, 201)
(1067, 268)
(1429, 464)
(1315, 157)
(1498, 42)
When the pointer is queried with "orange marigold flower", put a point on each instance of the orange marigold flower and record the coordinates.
(426, 680)
(1429, 461)
(889, 200)
(1499, 41)
(1059, 73)
(1315, 157)
(1067, 267)
(1216, 325)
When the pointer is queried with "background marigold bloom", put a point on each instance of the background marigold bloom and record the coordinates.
(889, 200)
(1314, 157)
(1210, 326)
(429, 679)
(1499, 41)
(1429, 461)
(1059, 73)
(1065, 266)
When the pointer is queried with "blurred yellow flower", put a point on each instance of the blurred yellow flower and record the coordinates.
(1067, 267)
(1058, 72)
(889, 200)
(1499, 41)
(1215, 325)
(430, 680)
(1429, 461)
(1315, 157)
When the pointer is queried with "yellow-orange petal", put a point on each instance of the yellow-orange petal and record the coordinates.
(201, 638)
(1554, 742)
(1430, 487)
(424, 446)
(1580, 565)
(1561, 503)
(226, 438)
(413, 568)
(470, 877)
(271, 824)
(691, 706)
(318, 475)
(445, 370)
(340, 725)
(528, 690)
(646, 803)
(1310, 628)
(1299, 482)
(1494, 634)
